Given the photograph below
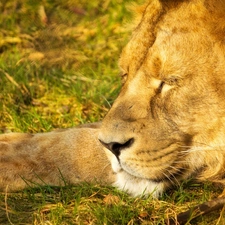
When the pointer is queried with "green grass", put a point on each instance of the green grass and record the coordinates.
(61, 71)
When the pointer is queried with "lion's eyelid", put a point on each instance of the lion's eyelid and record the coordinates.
(123, 73)
(161, 85)
(172, 81)
(165, 87)
(123, 77)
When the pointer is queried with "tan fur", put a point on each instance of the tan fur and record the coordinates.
(168, 122)
(172, 103)
(55, 158)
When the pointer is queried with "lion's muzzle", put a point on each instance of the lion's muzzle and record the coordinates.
(116, 147)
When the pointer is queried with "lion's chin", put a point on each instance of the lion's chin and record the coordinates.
(136, 186)
(133, 185)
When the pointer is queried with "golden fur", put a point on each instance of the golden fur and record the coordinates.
(168, 122)
(66, 156)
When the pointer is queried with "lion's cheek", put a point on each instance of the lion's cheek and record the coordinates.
(150, 164)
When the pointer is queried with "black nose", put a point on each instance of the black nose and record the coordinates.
(116, 147)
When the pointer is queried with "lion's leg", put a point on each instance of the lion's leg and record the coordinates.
(70, 155)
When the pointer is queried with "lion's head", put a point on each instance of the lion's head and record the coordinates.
(168, 122)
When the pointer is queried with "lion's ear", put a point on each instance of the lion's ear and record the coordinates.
(143, 33)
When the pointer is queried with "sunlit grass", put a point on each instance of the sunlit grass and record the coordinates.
(59, 62)
(58, 68)
(93, 204)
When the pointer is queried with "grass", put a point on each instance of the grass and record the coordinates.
(58, 68)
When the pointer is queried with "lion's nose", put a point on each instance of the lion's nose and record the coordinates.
(116, 147)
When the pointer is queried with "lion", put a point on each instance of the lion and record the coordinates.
(166, 125)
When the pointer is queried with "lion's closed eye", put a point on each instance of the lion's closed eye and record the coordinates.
(123, 76)
(165, 86)
(160, 88)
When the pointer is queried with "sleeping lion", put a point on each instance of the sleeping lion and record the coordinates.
(167, 124)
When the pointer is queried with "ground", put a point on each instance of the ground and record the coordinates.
(58, 69)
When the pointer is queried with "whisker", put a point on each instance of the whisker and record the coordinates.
(178, 172)
(169, 178)
(171, 175)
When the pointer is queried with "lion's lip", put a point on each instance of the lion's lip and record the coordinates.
(157, 181)
(162, 178)
(119, 168)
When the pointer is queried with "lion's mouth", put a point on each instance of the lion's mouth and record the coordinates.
(149, 166)
(136, 182)
(169, 177)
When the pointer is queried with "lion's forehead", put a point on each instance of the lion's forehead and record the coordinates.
(170, 57)
(175, 55)
(179, 37)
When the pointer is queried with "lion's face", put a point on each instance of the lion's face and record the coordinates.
(171, 109)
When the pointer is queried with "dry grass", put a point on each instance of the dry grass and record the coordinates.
(58, 68)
